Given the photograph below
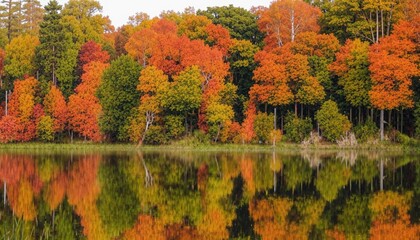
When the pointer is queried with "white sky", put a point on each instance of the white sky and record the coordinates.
(120, 10)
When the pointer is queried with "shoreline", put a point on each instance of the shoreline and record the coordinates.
(206, 147)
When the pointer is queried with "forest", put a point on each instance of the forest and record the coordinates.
(341, 71)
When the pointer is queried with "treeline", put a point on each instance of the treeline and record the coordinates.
(225, 74)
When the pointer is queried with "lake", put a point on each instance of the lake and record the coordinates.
(209, 195)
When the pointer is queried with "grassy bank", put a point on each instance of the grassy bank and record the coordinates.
(202, 147)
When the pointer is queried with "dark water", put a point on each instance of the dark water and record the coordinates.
(216, 195)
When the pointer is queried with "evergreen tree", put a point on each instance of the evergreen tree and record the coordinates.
(11, 17)
(32, 16)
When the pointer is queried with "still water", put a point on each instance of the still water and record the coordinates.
(209, 195)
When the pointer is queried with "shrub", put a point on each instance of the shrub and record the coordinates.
(366, 131)
(332, 123)
(417, 119)
(296, 129)
(263, 125)
(155, 135)
(45, 129)
(174, 126)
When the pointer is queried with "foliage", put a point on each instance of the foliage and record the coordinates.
(118, 95)
(55, 106)
(332, 123)
(367, 131)
(296, 129)
(20, 56)
(45, 129)
(263, 126)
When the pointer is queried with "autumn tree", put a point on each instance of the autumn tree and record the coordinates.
(21, 106)
(284, 19)
(141, 44)
(352, 68)
(11, 18)
(118, 96)
(392, 64)
(84, 107)
(153, 86)
(20, 57)
(55, 106)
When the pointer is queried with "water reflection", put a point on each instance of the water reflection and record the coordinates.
(207, 195)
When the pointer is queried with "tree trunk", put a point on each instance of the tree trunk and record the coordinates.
(275, 118)
(389, 119)
(402, 120)
(301, 111)
(351, 115)
(296, 109)
(382, 124)
(381, 181)
(7, 101)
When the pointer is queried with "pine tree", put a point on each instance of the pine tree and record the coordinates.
(32, 16)
(11, 17)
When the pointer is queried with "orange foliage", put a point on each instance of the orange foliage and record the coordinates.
(391, 69)
(141, 44)
(56, 191)
(82, 192)
(55, 106)
(181, 232)
(213, 225)
(146, 228)
(248, 124)
(313, 44)
(23, 184)
(247, 172)
(284, 19)
(84, 107)
(335, 234)
(269, 217)
(391, 218)
(219, 38)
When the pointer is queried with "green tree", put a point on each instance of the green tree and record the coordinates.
(118, 96)
(263, 125)
(52, 45)
(84, 16)
(184, 95)
(296, 129)
(332, 123)
(241, 23)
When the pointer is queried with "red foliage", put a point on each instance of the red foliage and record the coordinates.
(9, 126)
(90, 52)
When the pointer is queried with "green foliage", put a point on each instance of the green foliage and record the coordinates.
(263, 126)
(117, 204)
(355, 220)
(296, 129)
(45, 129)
(65, 223)
(331, 179)
(118, 96)
(417, 119)
(174, 126)
(332, 123)
(242, 24)
(155, 135)
(184, 95)
(366, 131)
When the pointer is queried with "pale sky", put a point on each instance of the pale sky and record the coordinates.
(120, 10)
